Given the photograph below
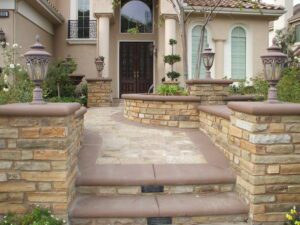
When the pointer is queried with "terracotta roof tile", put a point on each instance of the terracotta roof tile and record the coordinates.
(234, 4)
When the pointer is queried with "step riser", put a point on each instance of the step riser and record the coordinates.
(137, 190)
(175, 221)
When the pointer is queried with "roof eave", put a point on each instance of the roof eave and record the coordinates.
(56, 17)
(237, 11)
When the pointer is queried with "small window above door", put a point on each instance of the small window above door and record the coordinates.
(137, 16)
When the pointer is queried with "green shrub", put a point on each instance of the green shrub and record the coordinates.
(166, 89)
(58, 83)
(37, 216)
(173, 75)
(20, 91)
(289, 85)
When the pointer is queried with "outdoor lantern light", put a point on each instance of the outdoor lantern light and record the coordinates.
(2, 38)
(273, 62)
(99, 61)
(208, 60)
(37, 60)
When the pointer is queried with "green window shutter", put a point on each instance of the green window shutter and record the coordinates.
(238, 53)
(196, 34)
(298, 33)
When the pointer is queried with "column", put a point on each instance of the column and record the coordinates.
(170, 33)
(219, 58)
(103, 42)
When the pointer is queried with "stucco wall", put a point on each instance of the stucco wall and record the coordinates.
(26, 33)
(221, 27)
(22, 31)
(84, 55)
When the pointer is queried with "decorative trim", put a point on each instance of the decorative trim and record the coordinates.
(264, 108)
(82, 41)
(56, 15)
(170, 16)
(109, 15)
(258, 12)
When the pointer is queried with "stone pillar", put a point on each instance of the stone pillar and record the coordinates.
(99, 92)
(219, 58)
(170, 33)
(210, 91)
(39, 145)
(103, 41)
(265, 141)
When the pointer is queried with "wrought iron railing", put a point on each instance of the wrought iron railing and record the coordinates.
(86, 30)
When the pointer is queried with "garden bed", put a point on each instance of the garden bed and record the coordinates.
(171, 111)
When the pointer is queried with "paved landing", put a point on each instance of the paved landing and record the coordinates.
(123, 142)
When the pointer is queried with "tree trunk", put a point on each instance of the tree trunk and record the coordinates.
(58, 89)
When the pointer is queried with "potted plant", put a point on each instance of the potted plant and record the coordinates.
(171, 60)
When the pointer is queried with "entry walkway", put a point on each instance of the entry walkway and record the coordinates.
(122, 142)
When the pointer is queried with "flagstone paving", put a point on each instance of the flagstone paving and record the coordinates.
(124, 142)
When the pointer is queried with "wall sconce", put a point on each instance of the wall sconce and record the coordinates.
(2, 38)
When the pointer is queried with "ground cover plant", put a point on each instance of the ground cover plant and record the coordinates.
(171, 89)
(35, 216)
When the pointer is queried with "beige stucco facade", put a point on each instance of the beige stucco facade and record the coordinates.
(109, 36)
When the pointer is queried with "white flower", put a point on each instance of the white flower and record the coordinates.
(5, 89)
(7, 43)
(12, 66)
(235, 84)
(15, 45)
(2, 43)
(18, 64)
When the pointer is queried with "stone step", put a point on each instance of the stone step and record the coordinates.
(147, 174)
(182, 209)
(175, 179)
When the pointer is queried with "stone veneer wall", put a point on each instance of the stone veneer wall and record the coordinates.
(211, 92)
(99, 92)
(264, 146)
(172, 111)
(38, 155)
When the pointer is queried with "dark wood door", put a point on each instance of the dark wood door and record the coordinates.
(136, 67)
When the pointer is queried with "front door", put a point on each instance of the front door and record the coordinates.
(136, 67)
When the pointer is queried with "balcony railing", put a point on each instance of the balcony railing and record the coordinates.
(85, 29)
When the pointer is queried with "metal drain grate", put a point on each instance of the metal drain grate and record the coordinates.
(159, 221)
(152, 189)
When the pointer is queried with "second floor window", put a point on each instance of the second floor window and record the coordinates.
(137, 15)
(83, 18)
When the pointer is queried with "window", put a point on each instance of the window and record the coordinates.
(83, 18)
(297, 29)
(196, 34)
(238, 53)
(137, 15)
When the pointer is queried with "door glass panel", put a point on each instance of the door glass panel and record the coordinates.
(137, 15)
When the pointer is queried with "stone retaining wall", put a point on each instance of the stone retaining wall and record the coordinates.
(99, 92)
(169, 111)
(264, 146)
(38, 155)
(211, 92)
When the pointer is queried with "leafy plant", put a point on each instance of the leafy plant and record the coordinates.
(167, 89)
(57, 83)
(293, 217)
(171, 60)
(289, 85)
(37, 216)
